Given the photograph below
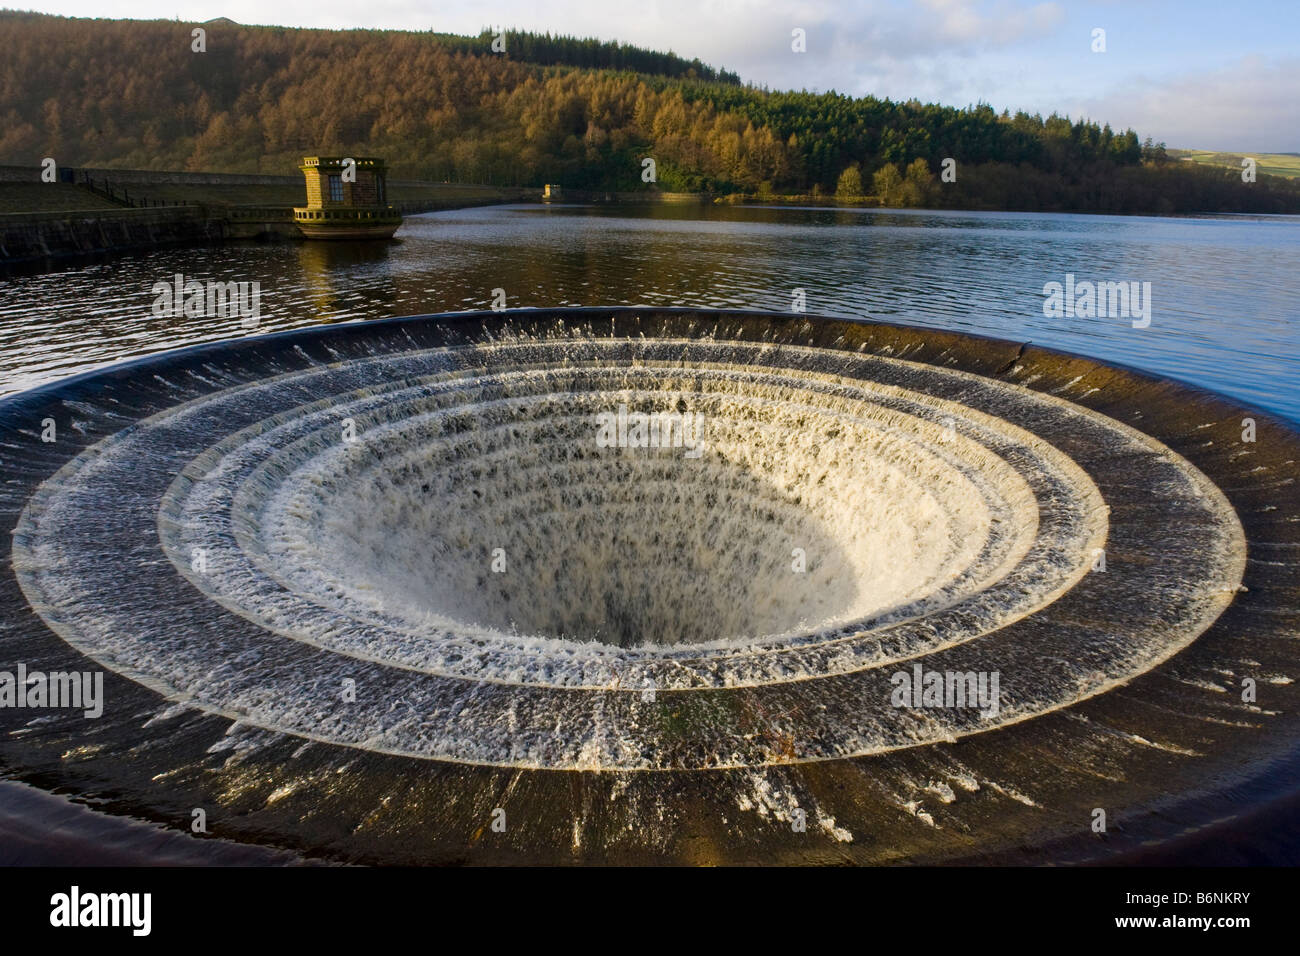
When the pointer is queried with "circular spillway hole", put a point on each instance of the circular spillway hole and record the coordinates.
(835, 520)
(647, 549)
(506, 509)
(306, 623)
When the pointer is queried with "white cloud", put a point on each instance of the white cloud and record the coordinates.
(1250, 105)
(972, 25)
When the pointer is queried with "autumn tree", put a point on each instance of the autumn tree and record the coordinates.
(849, 185)
(916, 183)
(887, 184)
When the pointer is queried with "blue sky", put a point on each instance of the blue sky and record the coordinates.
(1196, 73)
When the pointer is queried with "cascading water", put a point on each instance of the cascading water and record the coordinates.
(397, 573)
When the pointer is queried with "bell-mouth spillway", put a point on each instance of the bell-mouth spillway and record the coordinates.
(660, 585)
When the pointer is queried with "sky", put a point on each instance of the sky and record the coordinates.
(1191, 73)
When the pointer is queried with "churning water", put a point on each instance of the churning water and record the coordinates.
(463, 523)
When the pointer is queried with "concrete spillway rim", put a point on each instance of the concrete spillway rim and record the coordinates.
(1182, 404)
(325, 332)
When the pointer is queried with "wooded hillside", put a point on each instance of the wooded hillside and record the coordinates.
(580, 113)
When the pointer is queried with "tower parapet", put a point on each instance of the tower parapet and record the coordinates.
(347, 198)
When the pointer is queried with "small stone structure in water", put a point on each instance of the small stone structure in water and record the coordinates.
(346, 199)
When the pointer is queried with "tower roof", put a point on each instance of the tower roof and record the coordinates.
(336, 162)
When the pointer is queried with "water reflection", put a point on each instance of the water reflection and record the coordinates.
(330, 271)
(1225, 289)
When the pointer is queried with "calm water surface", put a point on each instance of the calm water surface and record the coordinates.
(1226, 291)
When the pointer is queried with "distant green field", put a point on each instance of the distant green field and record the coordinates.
(1274, 164)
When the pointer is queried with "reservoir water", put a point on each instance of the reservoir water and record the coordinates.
(1225, 291)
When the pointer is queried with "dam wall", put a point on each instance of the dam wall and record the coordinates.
(90, 210)
(633, 196)
(18, 174)
(42, 235)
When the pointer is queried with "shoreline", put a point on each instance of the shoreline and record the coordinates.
(93, 212)
(42, 240)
